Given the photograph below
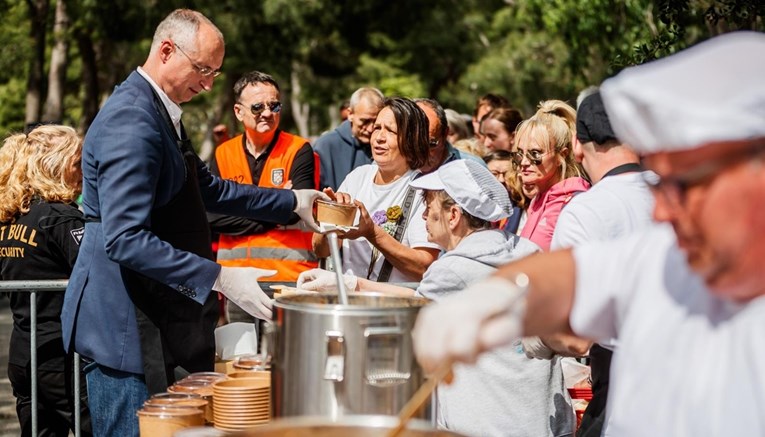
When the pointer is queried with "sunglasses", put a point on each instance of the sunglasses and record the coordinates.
(258, 108)
(534, 156)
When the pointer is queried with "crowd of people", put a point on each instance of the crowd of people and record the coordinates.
(536, 237)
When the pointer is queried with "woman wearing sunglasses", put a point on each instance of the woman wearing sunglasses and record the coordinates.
(547, 168)
(500, 164)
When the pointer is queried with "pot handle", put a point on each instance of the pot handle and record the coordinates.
(389, 354)
(334, 366)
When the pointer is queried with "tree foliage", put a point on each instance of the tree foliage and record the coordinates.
(321, 50)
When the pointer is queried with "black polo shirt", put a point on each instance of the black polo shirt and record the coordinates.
(42, 244)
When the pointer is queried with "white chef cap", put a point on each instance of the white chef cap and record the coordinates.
(711, 92)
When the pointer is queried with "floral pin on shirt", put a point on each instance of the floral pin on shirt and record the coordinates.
(388, 220)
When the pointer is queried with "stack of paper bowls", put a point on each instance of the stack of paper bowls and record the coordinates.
(199, 384)
(241, 403)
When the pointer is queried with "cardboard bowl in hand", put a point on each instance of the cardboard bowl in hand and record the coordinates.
(339, 214)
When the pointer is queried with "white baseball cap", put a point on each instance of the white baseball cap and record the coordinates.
(472, 186)
(711, 92)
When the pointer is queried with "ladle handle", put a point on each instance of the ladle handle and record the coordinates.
(334, 252)
(420, 396)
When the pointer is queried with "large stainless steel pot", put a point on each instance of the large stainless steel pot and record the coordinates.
(338, 360)
(356, 426)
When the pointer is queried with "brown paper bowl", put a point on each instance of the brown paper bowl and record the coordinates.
(164, 422)
(242, 386)
(254, 375)
(178, 400)
(339, 214)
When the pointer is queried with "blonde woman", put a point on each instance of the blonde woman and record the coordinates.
(40, 231)
(543, 157)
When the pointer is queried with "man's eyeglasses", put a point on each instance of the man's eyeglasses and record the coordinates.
(204, 71)
(534, 156)
(674, 188)
(258, 108)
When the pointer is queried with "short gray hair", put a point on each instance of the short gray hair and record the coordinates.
(456, 123)
(182, 26)
(370, 94)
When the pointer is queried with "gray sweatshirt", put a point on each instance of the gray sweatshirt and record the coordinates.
(504, 393)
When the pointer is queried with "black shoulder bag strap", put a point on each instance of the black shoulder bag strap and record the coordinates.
(387, 268)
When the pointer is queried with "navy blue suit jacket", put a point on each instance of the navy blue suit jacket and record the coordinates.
(131, 165)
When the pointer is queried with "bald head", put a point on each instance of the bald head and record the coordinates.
(186, 54)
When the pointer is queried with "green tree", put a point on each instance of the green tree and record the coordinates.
(15, 50)
(542, 49)
(322, 50)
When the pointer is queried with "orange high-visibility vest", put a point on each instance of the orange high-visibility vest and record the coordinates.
(285, 249)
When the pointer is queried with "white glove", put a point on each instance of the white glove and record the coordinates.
(534, 347)
(240, 285)
(304, 206)
(324, 280)
(459, 327)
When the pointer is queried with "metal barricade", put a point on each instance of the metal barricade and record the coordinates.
(33, 287)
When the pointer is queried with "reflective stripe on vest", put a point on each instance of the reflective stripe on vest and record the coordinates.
(267, 253)
(284, 249)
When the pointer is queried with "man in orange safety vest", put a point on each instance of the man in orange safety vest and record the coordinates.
(267, 157)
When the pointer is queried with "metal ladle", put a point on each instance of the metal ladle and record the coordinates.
(334, 253)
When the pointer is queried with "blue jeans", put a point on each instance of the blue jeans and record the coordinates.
(114, 397)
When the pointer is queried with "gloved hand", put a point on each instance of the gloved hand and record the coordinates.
(324, 280)
(304, 206)
(486, 315)
(240, 285)
(534, 347)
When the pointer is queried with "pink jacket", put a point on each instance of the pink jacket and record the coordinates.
(545, 208)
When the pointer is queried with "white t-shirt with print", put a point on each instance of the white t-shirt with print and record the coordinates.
(360, 185)
(688, 363)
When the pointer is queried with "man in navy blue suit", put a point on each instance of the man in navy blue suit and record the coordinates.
(141, 305)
